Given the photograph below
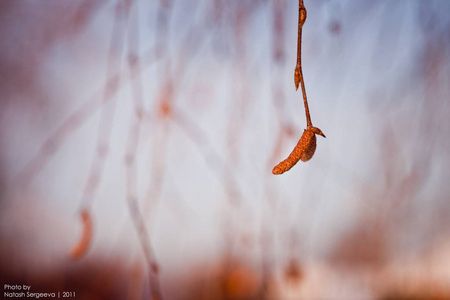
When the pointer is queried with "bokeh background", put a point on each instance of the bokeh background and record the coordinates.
(163, 120)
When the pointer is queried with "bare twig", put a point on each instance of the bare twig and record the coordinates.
(298, 76)
(306, 146)
(130, 158)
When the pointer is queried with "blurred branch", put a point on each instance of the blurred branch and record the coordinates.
(130, 159)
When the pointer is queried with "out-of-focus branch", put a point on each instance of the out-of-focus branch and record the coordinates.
(212, 159)
(130, 160)
(79, 117)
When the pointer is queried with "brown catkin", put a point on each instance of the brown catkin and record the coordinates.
(304, 150)
(82, 246)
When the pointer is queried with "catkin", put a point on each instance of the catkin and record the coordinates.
(83, 244)
(304, 150)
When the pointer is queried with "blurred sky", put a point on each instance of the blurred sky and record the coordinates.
(377, 77)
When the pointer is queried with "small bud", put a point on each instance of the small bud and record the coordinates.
(302, 16)
(297, 77)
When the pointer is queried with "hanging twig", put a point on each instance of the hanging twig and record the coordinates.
(298, 76)
(130, 159)
(306, 146)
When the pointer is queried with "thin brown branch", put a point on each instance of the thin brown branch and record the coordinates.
(306, 146)
(298, 76)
